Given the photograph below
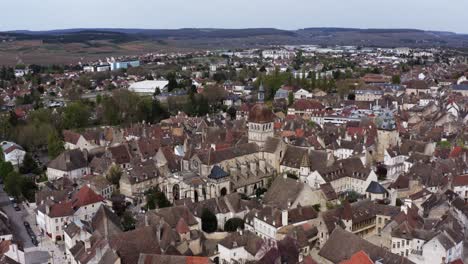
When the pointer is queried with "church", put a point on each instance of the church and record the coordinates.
(243, 168)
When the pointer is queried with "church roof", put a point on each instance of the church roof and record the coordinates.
(260, 113)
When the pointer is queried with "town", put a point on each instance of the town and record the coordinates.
(282, 154)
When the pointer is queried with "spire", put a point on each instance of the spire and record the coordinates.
(261, 93)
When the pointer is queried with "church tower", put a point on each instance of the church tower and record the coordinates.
(260, 120)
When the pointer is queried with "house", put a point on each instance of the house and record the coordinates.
(104, 223)
(368, 94)
(224, 208)
(302, 94)
(53, 216)
(85, 141)
(416, 87)
(286, 193)
(460, 88)
(446, 247)
(283, 92)
(460, 186)
(268, 221)
(305, 107)
(242, 246)
(364, 218)
(99, 184)
(71, 163)
(376, 191)
(342, 245)
(13, 153)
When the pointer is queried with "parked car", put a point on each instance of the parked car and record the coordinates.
(34, 241)
(26, 224)
(30, 231)
(16, 206)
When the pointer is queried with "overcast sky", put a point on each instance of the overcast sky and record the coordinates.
(446, 15)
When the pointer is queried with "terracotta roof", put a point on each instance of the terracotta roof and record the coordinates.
(71, 137)
(86, 196)
(460, 180)
(61, 209)
(260, 113)
(358, 258)
(304, 104)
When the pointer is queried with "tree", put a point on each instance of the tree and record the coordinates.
(156, 199)
(128, 221)
(114, 174)
(55, 145)
(290, 98)
(29, 165)
(12, 183)
(171, 77)
(76, 115)
(352, 196)
(233, 224)
(209, 221)
(381, 172)
(259, 192)
(396, 79)
(232, 112)
(203, 106)
(5, 169)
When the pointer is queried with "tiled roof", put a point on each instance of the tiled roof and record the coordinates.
(86, 196)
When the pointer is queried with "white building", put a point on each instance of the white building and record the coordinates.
(148, 87)
(460, 186)
(302, 94)
(53, 216)
(13, 153)
(71, 163)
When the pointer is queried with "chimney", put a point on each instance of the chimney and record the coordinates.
(284, 217)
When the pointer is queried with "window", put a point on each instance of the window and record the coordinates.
(398, 244)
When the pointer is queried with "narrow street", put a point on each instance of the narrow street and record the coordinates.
(16, 219)
(33, 255)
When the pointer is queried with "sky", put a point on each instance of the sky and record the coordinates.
(443, 15)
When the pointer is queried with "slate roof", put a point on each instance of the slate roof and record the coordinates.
(282, 191)
(217, 173)
(375, 187)
(251, 242)
(69, 160)
(342, 245)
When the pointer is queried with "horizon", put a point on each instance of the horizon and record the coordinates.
(25, 31)
(431, 15)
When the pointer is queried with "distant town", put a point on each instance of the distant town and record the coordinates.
(277, 155)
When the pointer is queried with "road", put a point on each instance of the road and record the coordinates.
(16, 219)
(33, 254)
